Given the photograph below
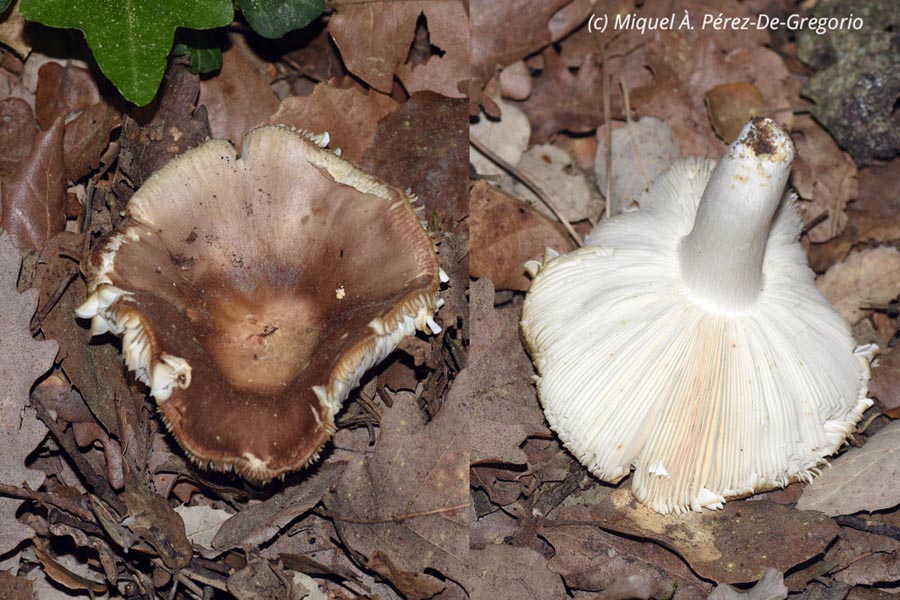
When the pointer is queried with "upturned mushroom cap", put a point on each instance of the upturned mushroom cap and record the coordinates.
(689, 341)
(252, 293)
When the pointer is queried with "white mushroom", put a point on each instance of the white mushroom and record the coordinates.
(689, 341)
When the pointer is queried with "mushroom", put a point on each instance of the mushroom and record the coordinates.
(252, 293)
(689, 341)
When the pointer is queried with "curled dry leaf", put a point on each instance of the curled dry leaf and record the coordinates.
(350, 116)
(731, 105)
(866, 478)
(237, 99)
(22, 361)
(868, 276)
(505, 233)
(33, 208)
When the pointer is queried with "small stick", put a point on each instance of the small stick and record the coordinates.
(59, 502)
(528, 182)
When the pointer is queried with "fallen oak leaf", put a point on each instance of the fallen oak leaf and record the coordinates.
(866, 478)
(33, 208)
(350, 116)
(409, 497)
(22, 361)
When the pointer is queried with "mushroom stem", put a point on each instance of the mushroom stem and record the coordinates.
(721, 259)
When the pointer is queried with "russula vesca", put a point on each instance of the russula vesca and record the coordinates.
(252, 293)
(689, 340)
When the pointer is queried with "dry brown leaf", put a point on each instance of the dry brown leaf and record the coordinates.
(17, 131)
(33, 208)
(374, 38)
(237, 99)
(770, 587)
(861, 558)
(868, 276)
(506, 233)
(553, 170)
(563, 101)
(22, 360)
(591, 559)
(409, 497)
(507, 137)
(15, 588)
(448, 28)
(502, 572)
(878, 204)
(497, 378)
(175, 127)
(415, 586)
(202, 523)
(87, 136)
(824, 176)
(261, 580)
(885, 383)
(62, 90)
(641, 150)
(423, 146)
(866, 478)
(731, 105)
(350, 116)
(525, 29)
(259, 523)
(153, 518)
(62, 574)
(732, 545)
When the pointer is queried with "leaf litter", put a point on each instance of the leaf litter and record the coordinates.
(107, 501)
(94, 494)
(698, 86)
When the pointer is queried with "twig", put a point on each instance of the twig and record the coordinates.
(607, 120)
(814, 222)
(44, 498)
(399, 518)
(861, 524)
(527, 182)
(205, 579)
(97, 484)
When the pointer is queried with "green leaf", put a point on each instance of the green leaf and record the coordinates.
(130, 39)
(203, 60)
(274, 18)
(4, 4)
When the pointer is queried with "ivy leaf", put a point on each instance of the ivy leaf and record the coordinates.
(203, 60)
(130, 39)
(274, 18)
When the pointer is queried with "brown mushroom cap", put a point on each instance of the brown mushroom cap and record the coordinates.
(252, 293)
